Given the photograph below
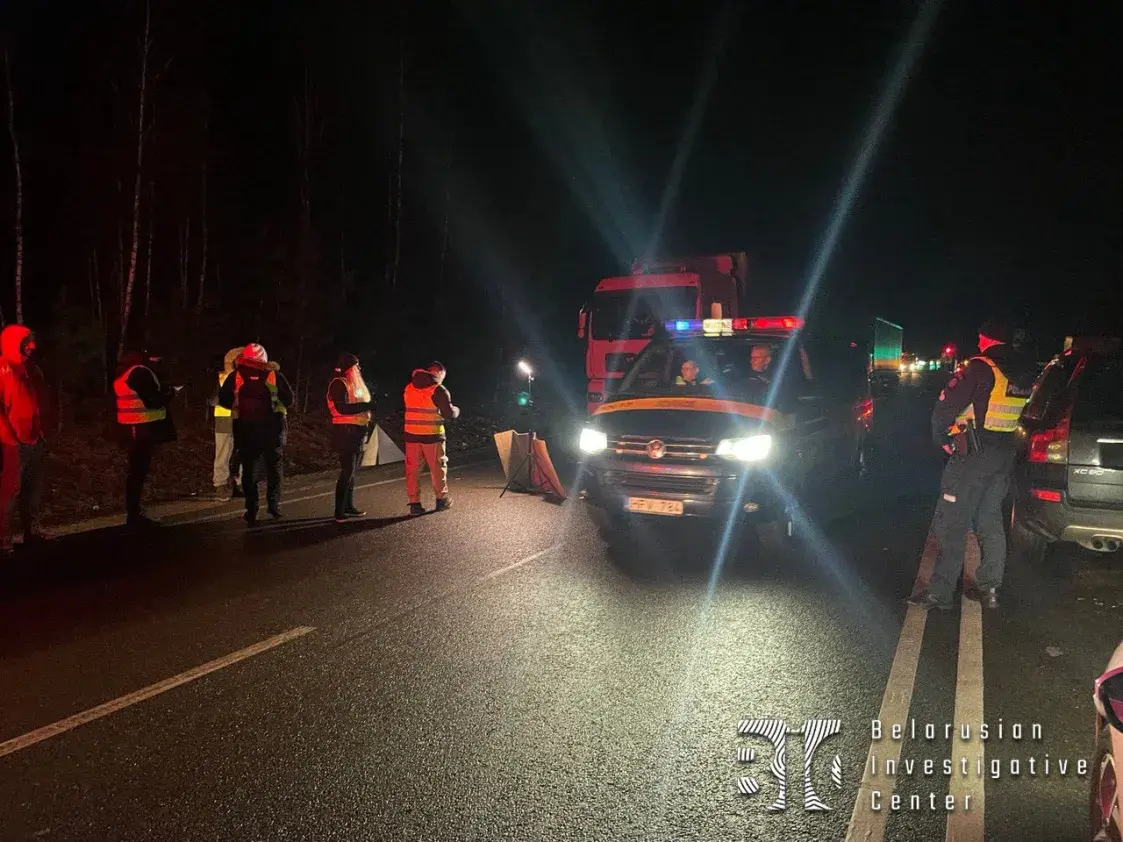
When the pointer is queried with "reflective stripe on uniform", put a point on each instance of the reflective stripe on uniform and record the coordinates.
(1003, 410)
(130, 407)
(361, 419)
(422, 418)
(221, 411)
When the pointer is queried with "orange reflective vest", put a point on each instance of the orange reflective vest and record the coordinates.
(356, 393)
(130, 408)
(271, 383)
(422, 416)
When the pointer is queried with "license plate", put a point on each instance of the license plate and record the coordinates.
(1111, 454)
(654, 507)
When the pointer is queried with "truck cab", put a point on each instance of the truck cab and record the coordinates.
(729, 418)
(627, 311)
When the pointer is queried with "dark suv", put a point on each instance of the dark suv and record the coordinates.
(1068, 484)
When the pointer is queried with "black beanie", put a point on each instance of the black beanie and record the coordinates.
(345, 362)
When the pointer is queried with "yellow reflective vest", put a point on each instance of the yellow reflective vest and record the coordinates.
(219, 410)
(356, 393)
(130, 408)
(422, 416)
(1003, 409)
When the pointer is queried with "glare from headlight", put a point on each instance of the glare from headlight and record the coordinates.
(592, 441)
(749, 449)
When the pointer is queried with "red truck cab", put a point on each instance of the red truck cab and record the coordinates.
(626, 310)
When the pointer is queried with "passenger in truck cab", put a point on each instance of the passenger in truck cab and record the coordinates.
(761, 361)
(689, 375)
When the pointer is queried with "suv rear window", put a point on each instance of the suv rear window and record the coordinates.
(1099, 391)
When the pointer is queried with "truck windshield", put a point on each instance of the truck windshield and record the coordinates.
(637, 314)
(714, 367)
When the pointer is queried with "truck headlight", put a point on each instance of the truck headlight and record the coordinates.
(592, 441)
(748, 449)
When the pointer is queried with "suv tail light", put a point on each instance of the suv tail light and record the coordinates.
(1051, 445)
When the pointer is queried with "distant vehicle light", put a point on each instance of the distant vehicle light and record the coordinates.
(748, 449)
(592, 441)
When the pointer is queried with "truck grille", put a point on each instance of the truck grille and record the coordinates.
(676, 447)
(661, 483)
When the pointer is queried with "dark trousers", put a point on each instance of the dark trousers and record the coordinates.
(21, 470)
(972, 491)
(349, 445)
(251, 453)
(140, 460)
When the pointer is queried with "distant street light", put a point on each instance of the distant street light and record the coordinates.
(525, 368)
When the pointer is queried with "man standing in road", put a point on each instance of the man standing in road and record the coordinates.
(428, 405)
(974, 423)
(227, 466)
(21, 432)
(352, 423)
(259, 396)
(142, 418)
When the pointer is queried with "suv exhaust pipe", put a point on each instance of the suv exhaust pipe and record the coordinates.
(1105, 543)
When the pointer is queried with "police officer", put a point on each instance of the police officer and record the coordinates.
(974, 422)
(350, 404)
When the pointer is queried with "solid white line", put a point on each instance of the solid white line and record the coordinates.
(63, 725)
(317, 495)
(866, 824)
(968, 825)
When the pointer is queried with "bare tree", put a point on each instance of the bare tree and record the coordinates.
(401, 155)
(206, 229)
(19, 187)
(141, 136)
(184, 259)
(448, 208)
(148, 258)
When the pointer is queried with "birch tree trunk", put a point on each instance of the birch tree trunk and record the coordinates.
(130, 279)
(401, 155)
(19, 188)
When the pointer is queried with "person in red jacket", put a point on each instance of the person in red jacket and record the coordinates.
(21, 432)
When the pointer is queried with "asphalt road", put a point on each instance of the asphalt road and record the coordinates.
(495, 672)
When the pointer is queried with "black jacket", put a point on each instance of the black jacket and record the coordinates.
(257, 425)
(973, 386)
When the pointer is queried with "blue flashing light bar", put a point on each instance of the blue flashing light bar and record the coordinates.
(726, 327)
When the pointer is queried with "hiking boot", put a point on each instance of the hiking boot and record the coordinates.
(223, 495)
(443, 503)
(988, 597)
(927, 601)
(416, 509)
(250, 518)
(353, 512)
(275, 514)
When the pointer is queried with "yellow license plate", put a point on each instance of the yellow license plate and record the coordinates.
(654, 507)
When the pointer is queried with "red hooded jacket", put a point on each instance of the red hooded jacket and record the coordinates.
(20, 420)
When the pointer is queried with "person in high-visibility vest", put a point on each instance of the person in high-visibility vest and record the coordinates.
(259, 397)
(144, 422)
(428, 405)
(352, 422)
(227, 466)
(23, 399)
(974, 422)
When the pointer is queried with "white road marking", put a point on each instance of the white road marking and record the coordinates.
(63, 725)
(866, 824)
(317, 495)
(968, 825)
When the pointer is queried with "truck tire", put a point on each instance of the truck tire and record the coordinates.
(1103, 796)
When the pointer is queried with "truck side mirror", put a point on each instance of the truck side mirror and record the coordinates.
(581, 324)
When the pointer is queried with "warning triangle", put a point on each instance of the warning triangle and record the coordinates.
(388, 452)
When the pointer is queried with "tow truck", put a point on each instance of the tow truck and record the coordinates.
(696, 430)
(626, 311)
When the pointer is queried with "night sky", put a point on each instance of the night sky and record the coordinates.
(997, 187)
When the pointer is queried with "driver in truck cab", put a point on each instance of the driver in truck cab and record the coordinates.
(689, 375)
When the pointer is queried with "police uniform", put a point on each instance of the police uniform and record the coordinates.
(991, 391)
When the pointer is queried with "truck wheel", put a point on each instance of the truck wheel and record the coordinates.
(1103, 799)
